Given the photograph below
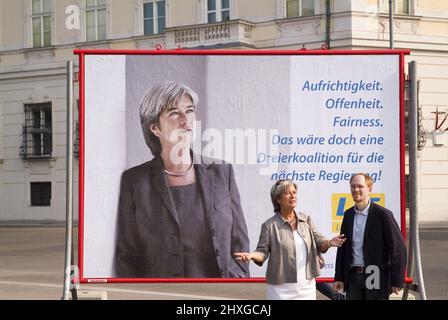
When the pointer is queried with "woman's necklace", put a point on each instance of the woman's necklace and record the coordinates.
(293, 223)
(292, 220)
(179, 174)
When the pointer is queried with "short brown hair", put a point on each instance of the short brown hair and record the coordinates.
(369, 181)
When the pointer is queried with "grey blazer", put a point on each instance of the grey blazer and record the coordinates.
(277, 243)
(149, 243)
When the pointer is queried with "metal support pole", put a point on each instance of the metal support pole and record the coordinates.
(391, 24)
(327, 23)
(413, 185)
(410, 266)
(412, 115)
(69, 184)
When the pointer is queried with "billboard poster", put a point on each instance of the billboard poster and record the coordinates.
(245, 120)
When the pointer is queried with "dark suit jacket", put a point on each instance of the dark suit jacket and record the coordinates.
(149, 242)
(383, 246)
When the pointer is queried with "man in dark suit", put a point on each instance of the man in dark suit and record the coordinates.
(179, 215)
(371, 263)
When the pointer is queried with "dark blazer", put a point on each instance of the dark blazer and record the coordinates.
(383, 246)
(149, 242)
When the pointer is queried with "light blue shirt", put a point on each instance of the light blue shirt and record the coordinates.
(359, 225)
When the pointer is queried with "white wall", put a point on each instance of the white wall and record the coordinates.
(16, 174)
(105, 140)
(432, 73)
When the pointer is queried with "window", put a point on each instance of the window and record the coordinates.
(299, 8)
(402, 6)
(218, 10)
(95, 20)
(37, 140)
(40, 193)
(154, 18)
(41, 23)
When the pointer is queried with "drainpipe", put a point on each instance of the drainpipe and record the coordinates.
(391, 24)
(327, 23)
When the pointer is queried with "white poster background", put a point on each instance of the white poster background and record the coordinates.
(254, 94)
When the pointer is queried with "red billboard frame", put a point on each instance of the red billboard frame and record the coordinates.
(187, 52)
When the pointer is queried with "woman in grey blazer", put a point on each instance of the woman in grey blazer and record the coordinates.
(179, 215)
(291, 242)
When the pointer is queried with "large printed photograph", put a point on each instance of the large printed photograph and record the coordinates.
(184, 157)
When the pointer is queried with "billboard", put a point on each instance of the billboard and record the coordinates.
(315, 117)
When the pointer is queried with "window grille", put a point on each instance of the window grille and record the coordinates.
(37, 140)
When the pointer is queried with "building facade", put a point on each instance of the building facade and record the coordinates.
(37, 38)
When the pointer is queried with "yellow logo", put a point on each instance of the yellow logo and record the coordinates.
(340, 202)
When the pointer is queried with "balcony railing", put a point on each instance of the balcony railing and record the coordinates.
(229, 32)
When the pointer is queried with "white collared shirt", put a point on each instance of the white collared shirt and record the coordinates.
(359, 225)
